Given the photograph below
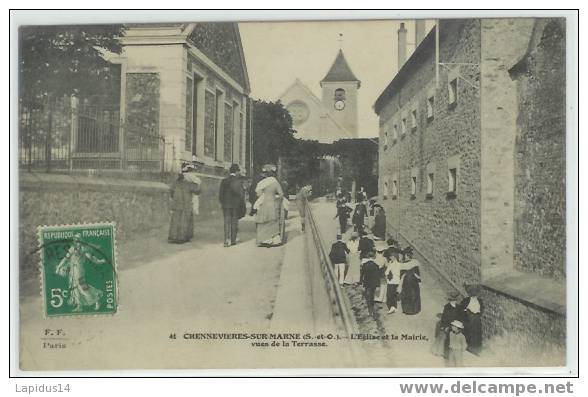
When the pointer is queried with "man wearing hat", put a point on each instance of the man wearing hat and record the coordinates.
(338, 256)
(365, 246)
(232, 201)
(451, 311)
(366, 243)
(370, 279)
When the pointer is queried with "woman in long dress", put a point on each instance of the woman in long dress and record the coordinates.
(181, 228)
(379, 229)
(270, 211)
(359, 215)
(72, 266)
(352, 275)
(472, 311)
(410, 295)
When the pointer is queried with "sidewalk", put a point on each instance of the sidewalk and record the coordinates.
(197, 287)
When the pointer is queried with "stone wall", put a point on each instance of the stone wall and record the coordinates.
(540, 201)
(443, 228)
(137, 207)
(47, 199)
(531, 328)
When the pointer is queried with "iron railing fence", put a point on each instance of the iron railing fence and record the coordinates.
(65, 137)
(331, 306)
(44, 141)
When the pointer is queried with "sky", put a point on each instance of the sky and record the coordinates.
(277, 53)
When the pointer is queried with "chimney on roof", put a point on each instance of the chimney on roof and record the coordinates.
(401, 45)
(419, 31)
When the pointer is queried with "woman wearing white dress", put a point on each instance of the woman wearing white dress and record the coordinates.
(352, 275)
(270, 210)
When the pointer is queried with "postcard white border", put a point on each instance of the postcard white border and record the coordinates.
(104, 16)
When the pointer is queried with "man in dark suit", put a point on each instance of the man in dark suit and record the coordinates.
(366, 244)
(338, 256)
(370, 278)
(232, 201)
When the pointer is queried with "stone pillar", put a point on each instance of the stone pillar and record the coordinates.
(499, 111)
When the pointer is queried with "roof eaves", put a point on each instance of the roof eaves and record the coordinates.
(405, 70)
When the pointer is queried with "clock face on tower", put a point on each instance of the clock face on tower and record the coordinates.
(339, 105)
(299, 112)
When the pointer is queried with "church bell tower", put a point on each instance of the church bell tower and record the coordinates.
(340, 94)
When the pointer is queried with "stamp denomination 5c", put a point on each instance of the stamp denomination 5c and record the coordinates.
(78, 269)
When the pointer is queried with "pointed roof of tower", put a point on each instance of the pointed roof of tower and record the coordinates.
(340, 71)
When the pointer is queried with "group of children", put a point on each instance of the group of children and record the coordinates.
(459, 327)
(378, 265)
(365, 213)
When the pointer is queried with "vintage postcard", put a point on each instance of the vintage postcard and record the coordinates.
(303, 194)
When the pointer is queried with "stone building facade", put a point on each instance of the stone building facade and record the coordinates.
(464, 163)
(540, 152)
(334, 115)
(191, 80)
(187, 85)
(311, 118)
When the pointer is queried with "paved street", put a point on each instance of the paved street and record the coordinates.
(165, 289)
(198, 287)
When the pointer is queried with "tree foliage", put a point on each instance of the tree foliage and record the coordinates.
(57, 61)
(274, 138)
(358, 159)
(357, 155)
(273, 135)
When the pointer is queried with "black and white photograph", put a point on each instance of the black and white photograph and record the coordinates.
(350, 193)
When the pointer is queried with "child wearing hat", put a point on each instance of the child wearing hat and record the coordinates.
(392, 276)
(457, 345)
(451, 311)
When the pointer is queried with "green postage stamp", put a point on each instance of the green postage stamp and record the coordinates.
(78, 269)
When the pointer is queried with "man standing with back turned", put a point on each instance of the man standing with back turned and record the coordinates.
(231, 199)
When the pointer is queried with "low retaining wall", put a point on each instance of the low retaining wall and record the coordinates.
(46, 199)
(534, 325)
(136, 206)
